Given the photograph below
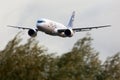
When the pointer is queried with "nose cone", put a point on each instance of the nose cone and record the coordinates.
(40, 24)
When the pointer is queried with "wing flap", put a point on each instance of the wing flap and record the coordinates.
(84, 29)
(18, 27)
(89, 28)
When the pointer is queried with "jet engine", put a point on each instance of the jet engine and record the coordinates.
(68, 32)
(32, 32)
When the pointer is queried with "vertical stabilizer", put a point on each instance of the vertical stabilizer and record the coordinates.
(70, 24)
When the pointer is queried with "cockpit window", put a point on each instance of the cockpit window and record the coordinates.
(40, 21)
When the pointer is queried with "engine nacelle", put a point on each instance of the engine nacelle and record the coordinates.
(69, 32)
(32, 32)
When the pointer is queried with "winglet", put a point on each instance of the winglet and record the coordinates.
(70, 24)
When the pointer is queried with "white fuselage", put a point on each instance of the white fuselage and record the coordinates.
(50, 27)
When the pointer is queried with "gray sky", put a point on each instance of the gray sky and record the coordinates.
(88, 13)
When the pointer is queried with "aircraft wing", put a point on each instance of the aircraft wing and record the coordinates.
(19, 27)
(84, 29)
(89, 28)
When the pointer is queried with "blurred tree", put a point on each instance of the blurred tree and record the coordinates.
(81, 63)
(22, 62)
(111, 68)
(30, 61)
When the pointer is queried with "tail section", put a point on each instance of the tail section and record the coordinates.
(70, 24)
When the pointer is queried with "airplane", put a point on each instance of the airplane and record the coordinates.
(55, 28)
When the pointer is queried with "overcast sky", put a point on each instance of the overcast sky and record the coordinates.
(88, 13)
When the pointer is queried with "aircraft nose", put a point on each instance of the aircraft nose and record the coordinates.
(41, 24)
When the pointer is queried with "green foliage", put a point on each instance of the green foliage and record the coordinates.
(30, 61)
(112, 67)
(81, 63)
(22, 62)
